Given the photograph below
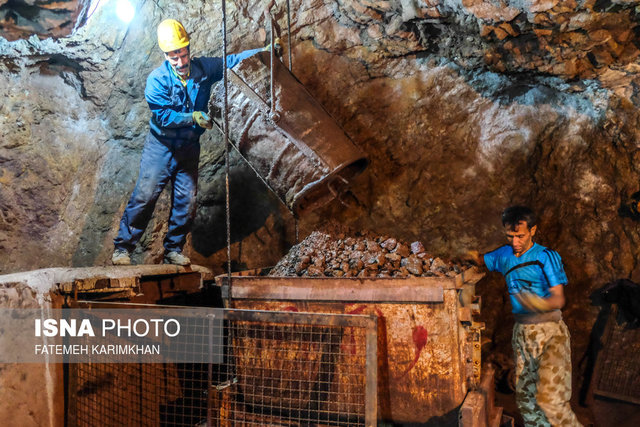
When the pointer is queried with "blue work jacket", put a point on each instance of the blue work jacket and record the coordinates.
(172, 104)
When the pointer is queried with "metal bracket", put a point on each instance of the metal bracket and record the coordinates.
(474, 339)
(226, 384)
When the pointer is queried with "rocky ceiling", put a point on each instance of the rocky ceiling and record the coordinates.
(462, 106)
(20, 19)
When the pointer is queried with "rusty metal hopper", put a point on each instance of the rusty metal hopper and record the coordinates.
(428, 349)
(297, 149)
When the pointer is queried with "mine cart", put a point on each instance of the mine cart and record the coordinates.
(428, 344)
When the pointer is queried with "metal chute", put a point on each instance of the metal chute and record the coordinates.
(286, 136)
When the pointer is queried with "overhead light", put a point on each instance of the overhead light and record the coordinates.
(125, 11)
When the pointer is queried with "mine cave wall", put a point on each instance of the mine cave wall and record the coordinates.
(31, 394)
(463, 107)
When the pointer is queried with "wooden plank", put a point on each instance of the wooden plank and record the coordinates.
(97, 277)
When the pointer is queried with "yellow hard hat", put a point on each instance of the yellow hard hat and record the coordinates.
(172, 35)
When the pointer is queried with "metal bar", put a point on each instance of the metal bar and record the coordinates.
(115, 304)
(618, 396)
(336, 290)
(72, 397)
(210, 408)
(259, 279)
(141, 388)
(263, 280)
(289, 35)
(371, 383)
(323, 319)
(271, 61)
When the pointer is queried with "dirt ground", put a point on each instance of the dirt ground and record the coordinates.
(600, 412)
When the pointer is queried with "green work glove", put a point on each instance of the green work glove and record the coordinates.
(276, 43)
(202, 119)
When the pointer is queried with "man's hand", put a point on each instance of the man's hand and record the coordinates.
(202, 119)
(276, 44)
(533, 302)
(474, 257)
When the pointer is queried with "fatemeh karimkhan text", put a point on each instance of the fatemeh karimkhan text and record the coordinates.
(79, 349)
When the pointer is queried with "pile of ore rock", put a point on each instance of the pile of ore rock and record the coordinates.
(335, 251)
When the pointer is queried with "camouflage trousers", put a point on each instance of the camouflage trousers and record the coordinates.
(543, 373)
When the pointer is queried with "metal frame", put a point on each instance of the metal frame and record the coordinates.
(255, 285)
(368, 323)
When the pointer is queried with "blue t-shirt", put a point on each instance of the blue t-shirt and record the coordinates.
(535, 271)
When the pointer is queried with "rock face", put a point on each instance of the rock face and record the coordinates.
(31, 394)
(463, 108)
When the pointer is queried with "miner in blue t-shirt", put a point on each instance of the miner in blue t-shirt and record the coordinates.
(535, 280)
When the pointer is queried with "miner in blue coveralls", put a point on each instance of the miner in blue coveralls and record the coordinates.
(178, 94)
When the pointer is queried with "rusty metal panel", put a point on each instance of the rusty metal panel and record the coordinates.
(298, 149)
(427, 353)
(421, 368)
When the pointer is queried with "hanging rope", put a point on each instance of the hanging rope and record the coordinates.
(225, 127)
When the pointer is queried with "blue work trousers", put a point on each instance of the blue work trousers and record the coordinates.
(161, 162)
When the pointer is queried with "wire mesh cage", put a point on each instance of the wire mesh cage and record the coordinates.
(272, 368)
(617, 373)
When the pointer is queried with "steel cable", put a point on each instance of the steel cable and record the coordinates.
(225, 127)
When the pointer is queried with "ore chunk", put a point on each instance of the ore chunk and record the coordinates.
(336, 251)
(389, 244)
(414, 265)
(417, 248)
